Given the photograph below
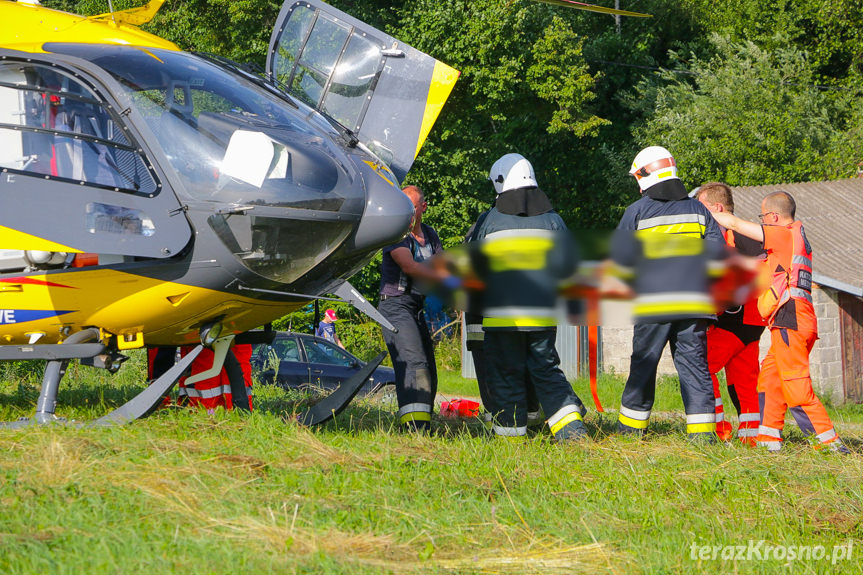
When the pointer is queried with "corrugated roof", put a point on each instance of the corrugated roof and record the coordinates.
(832, 215)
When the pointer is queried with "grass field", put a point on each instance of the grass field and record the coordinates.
(187, 492)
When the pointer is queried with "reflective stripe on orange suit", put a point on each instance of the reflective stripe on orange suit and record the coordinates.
(784, 382)
(209, 393)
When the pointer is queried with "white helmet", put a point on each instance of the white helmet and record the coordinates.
(511, 172)
(653, 165)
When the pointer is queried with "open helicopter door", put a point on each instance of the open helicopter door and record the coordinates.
(384, 91)
(75, 178)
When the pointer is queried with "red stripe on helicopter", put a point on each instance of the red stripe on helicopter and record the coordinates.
(32, 281)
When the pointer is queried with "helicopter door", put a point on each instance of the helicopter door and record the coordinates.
(384, 91)
(73, 177)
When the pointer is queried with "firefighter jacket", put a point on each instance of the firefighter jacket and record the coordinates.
(522, 259)
(669, 251)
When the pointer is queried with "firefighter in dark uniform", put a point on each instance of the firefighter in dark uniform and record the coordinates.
(522, 254)
(666, 242)
(403, 268)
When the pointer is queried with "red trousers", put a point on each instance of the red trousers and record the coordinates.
(208, 393)
(784, 383)
(740, 361)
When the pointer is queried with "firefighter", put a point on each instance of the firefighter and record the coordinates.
(403, 267)
(664, 243)
(784, 382)
(475, 344)
(732, 343)
(522, 254)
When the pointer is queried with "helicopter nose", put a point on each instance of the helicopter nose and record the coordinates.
(386, 218)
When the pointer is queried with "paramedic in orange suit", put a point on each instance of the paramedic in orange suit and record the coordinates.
(732, 344)
(784, 382)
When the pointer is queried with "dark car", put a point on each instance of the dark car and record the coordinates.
(308, 362)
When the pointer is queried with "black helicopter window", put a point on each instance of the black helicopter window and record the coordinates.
(54, 126)
(328, 64)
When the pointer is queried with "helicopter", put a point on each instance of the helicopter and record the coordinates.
(155, 197)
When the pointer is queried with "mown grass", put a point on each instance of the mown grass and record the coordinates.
(187, 492)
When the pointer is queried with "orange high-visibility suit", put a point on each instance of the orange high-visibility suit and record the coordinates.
(784, 382)
(732, 344)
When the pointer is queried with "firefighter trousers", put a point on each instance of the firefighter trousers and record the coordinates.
(740, 361)
(688, 341)
(784, 383)
(514, 359)
(412, 354)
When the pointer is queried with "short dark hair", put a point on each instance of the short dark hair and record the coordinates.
(717, 193)
(782, 203)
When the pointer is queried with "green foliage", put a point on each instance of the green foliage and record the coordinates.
(746, 116)
(560, 75)
(184, 491)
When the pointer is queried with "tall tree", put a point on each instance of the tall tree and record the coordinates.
(748, 116)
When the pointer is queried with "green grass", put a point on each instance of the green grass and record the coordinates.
(186, 492)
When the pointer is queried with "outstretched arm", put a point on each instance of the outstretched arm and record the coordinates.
(749, 229)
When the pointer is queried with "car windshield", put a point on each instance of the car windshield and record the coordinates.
(230, 137)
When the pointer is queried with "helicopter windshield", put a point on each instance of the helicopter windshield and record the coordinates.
(197, 107)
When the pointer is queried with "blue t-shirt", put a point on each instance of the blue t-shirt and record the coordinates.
(326, 331)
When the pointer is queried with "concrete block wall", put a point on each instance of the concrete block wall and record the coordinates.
(825, 361)
(617, 340)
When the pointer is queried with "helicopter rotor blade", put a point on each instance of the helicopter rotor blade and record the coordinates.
(594, 8)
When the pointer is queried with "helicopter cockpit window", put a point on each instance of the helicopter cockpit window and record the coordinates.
(194, 106)
(54, 126)
(328, 64)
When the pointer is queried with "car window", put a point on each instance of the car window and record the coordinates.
(287, 349)
(324, 352)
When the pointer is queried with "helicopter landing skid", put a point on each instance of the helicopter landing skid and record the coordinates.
(139, 406)
(148, 400)
(334, 403)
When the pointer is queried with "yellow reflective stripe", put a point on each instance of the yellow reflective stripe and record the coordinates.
(524, 253)
(415, 416)
(564, 421)
(692, 229)
(629, 422)
(673, 308)
(519, 322)
(700, 427)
